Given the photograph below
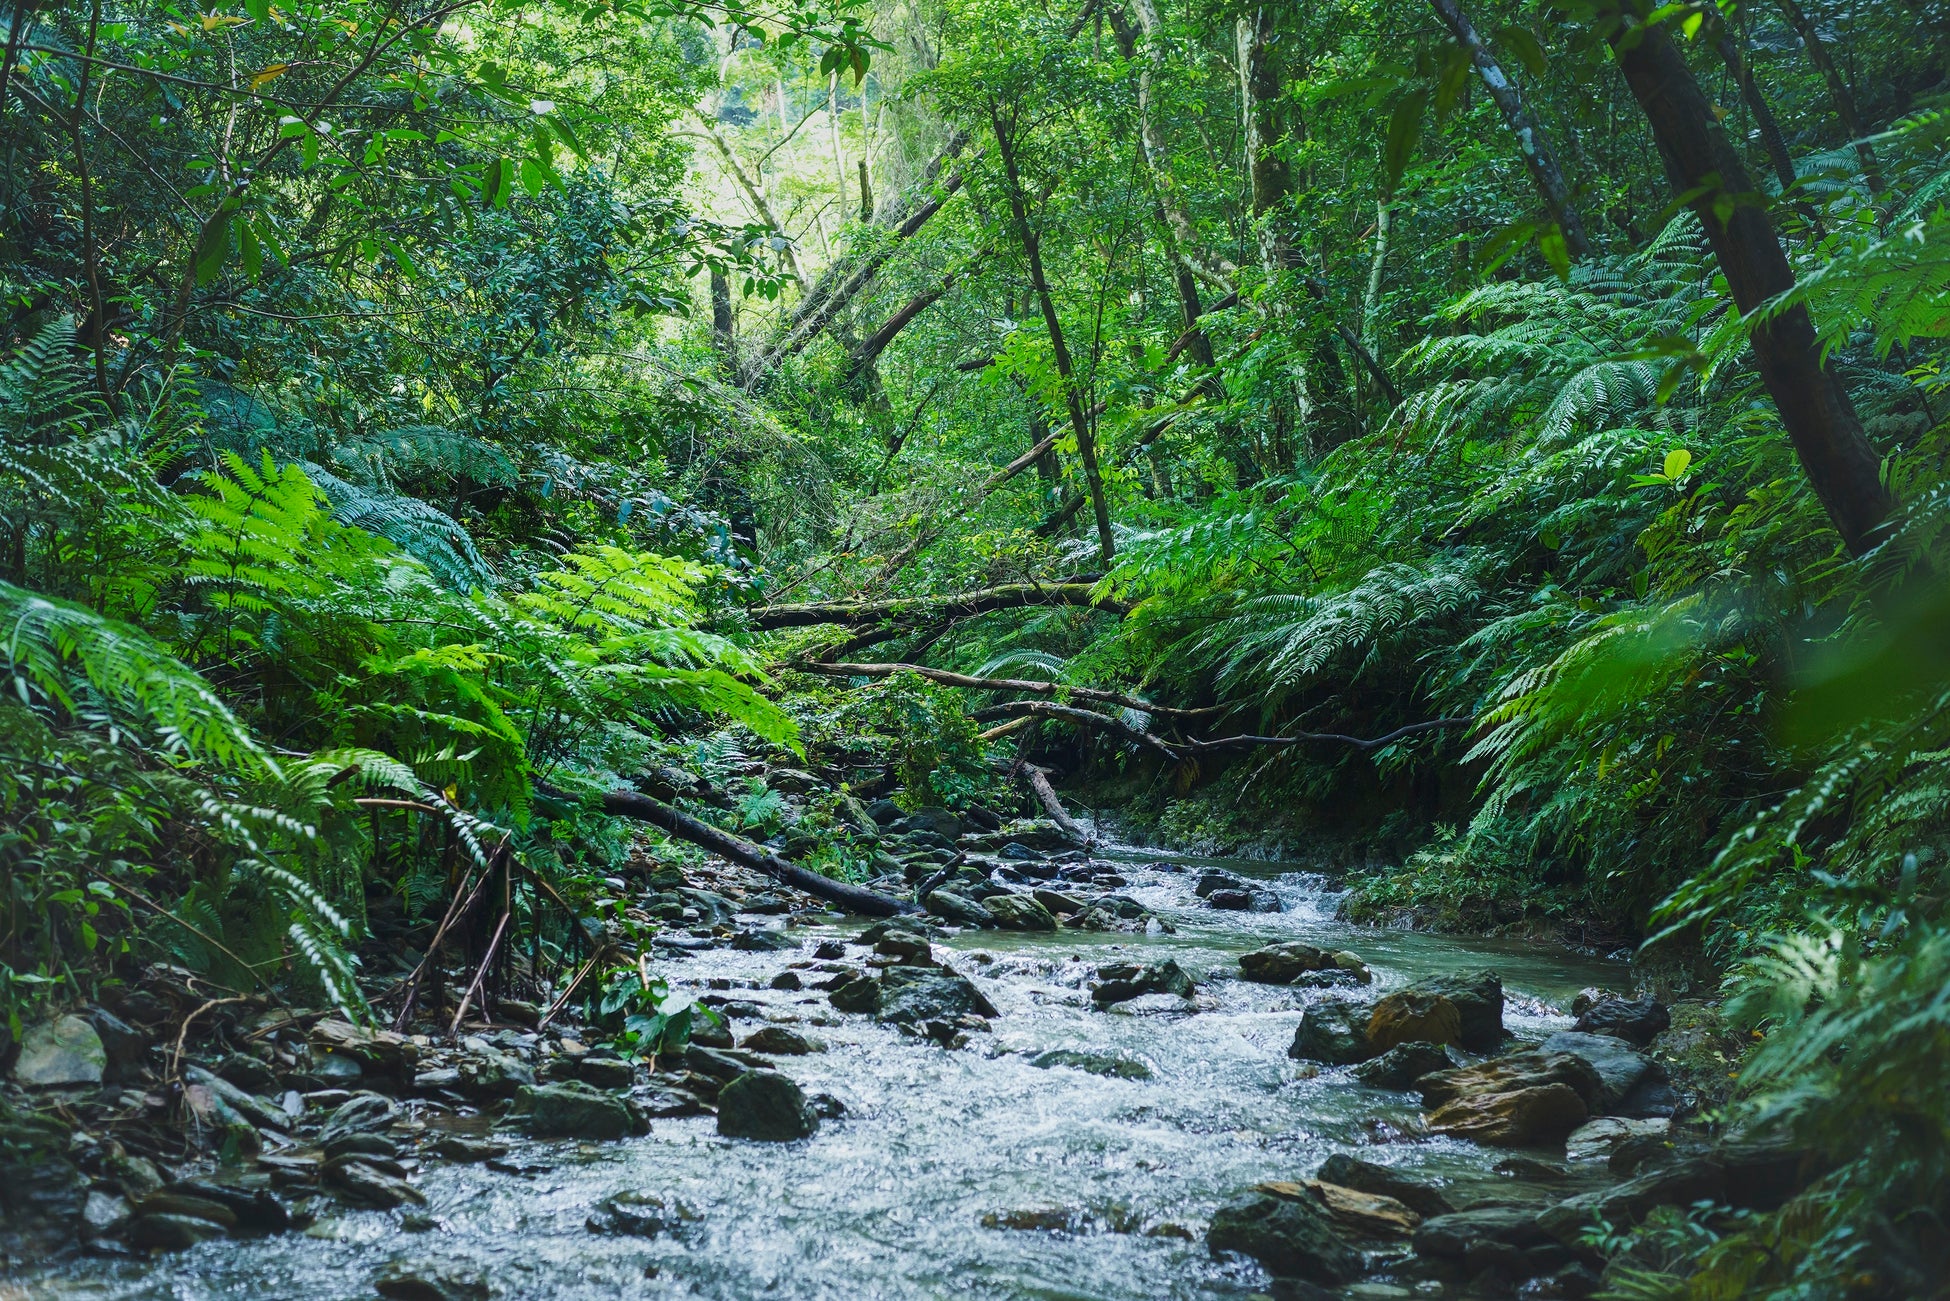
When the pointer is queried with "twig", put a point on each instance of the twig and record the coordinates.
(575, 984)
(480, 974)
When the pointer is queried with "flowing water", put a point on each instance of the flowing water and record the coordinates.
(891, 1200)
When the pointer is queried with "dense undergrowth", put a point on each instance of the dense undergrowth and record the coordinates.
(370, 500)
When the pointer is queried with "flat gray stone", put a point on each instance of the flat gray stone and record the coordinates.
(61, 1053)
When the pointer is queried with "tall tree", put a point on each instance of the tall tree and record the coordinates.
(1538, 159)
(1703, 166)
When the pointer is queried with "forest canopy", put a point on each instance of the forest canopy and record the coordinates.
(1495, 449)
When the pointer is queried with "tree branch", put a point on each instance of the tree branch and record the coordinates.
(1008, 596)
(1027, 686)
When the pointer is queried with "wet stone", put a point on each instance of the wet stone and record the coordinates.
(1106, 1064)
(1280, 964)
(165, 1232)
(466, 1151)
(1119, 981)
(1637, 1021)
(1333, 1032)
(766, 1106)
(1289, 1237)
(778, 1041)
(1384, 1181)
(61, 1053)
(574, 1110)
(1402, 1065)
(427, 1281)
(638, 1215)
(910, 994)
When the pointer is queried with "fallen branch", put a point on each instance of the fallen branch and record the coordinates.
(1046, 796)
(1081, 717)
(1009, 596)
(1358, 742)
(480, 975)
(1026, 686)
(853, 898)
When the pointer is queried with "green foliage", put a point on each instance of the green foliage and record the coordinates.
(643, 1016)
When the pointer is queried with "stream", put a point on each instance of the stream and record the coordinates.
(1108, 1182)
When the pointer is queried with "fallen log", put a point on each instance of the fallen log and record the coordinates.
(1009, 596)
(1177, 750)
(1025, 686)
(853, 898)
(1046, 796)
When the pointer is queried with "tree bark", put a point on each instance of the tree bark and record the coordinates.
(869, 349)
(1066, 371)
(1053, 805)
(1538, 159)
(853, 898)
(1026, 686)
(1259, 91)
(1009, 596)
(1841, 465)
(722, 323)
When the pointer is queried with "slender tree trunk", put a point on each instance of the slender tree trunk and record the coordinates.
(1538, 159)
(1838, 89)
(722, 337)
(1065, 369)
(1272, 181)
(1729, 45)
(1841, 464)
(839, 152)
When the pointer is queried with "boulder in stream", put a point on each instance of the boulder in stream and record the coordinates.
(61, 1053)
(575, 1110)
(1533, 1116)
(1019, 912)
(638, 1215)
(1334, 1032)
(907, 995)
(1413, 1016)
(766, 1106)
(1478, 997)
(1291, 1237)
(1384, 1181)
(1119, 982)
(958, 909)
(1636, 1021)
(1107, 1064)
(778, 1041)
(419, 1280)
(1401, 1066)
(1632, 1083)
(1281, 964)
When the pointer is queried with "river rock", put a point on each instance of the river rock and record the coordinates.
(427, 1281)
(778, 1041)
(1119, 981)
(1123, 1068)
(1637, 1021)
(1289, 1237)
(1367, 1177)
(359, 1181)
(1401, 1066)
(912, 994)
(930, 819)
(487, 1074)
(1681, 1183)
(907, 947)
(605, 1072)
(466, 1151)
(1595, 1140)
(574, 1110)
(1019, 912)
(958, 908)
(1281, 964)
(358, 1114)
(377, 1049)
(1633, 1084)
(170, 1201)
(1452, 1236)
(858, 994)
(104, 1214)
(1333, 1032)
(169, 1232)
(61, 1053)
(254, 1210)
(1413, 1016)
(124, 1043)
(1478, 997)
(248, 1073)
(721, 1064)
(1057, 903)
(1506, 1074)
(1257, 900)
(638, 1215)
(1117, 912)
(261, 1112)
(767, 1106)
(1371, 1215)
(1527, 1117)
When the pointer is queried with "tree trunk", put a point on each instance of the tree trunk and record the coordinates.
(1804, 27)
(1259, 91)
(929, 609)
(1841, 464)
(1538, 159)
(1066, 371)
(1729, 45)
(853, 898)
(722, 337)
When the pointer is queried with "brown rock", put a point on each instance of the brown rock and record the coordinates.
(1407, 1016)
(1365, 1213)
(1527, 1117)
(1511, 1073)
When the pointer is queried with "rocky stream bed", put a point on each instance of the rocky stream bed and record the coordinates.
(1165, 1078)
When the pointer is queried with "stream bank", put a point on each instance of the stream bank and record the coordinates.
(1029, 1144)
